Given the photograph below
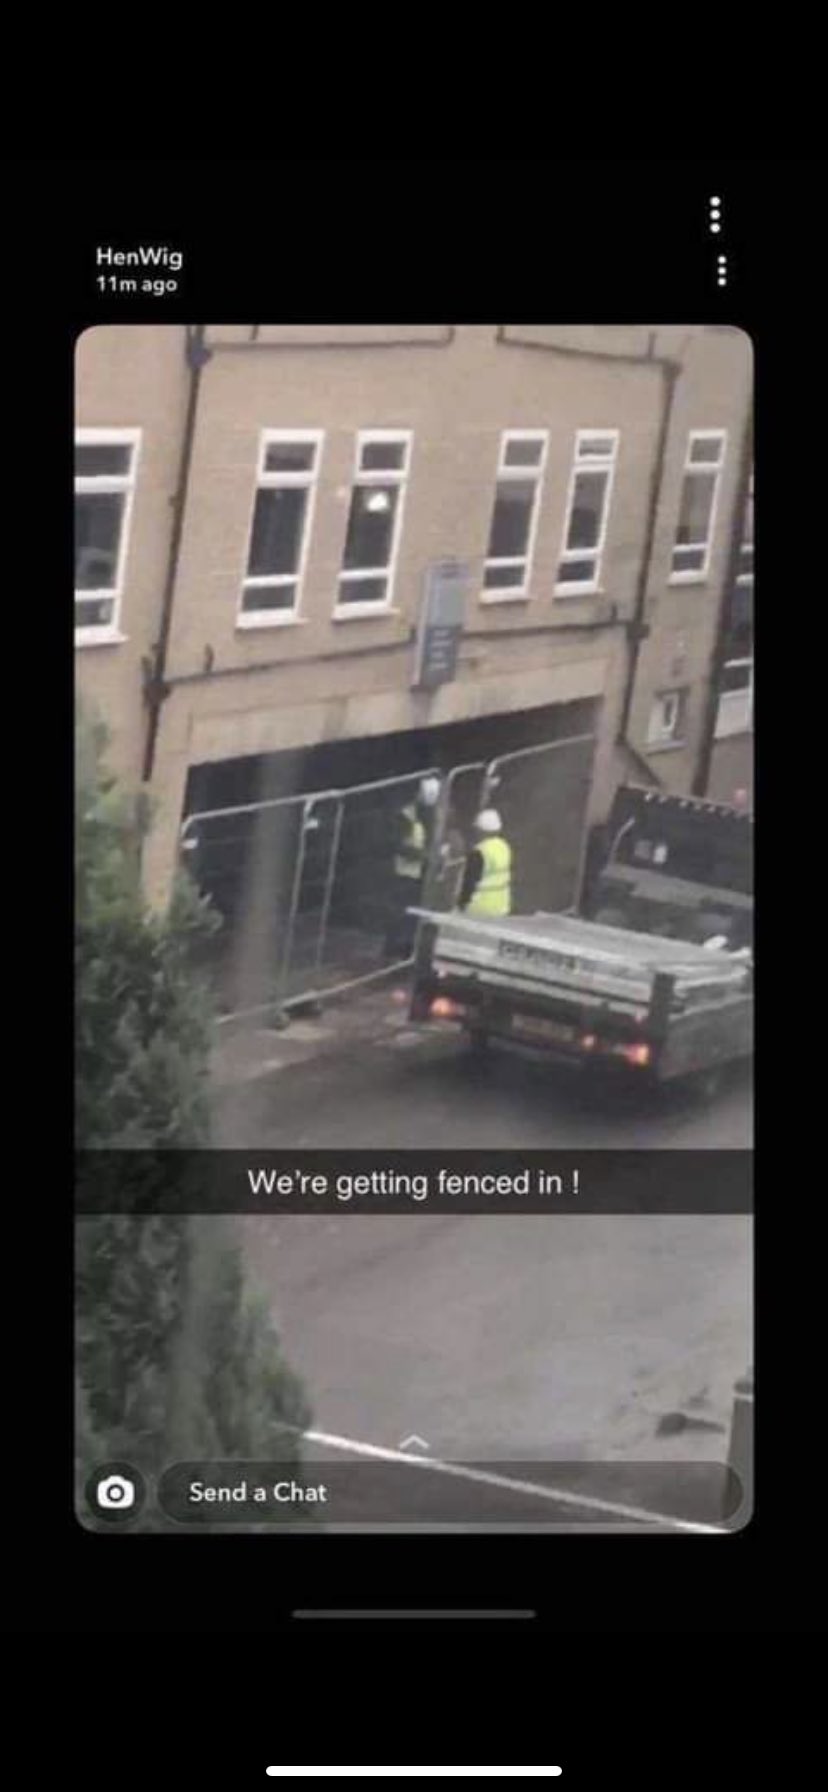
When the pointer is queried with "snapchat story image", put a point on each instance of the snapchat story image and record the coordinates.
(437, 680)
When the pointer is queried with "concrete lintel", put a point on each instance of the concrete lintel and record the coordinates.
(265, 730)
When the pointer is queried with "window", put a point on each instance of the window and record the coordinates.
(587, 510)
(285, 485)
(697, 505)
(735, 711)
(374, 519)
(514, 517)
(667, 718)
(105, 465)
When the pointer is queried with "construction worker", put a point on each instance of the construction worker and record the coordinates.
(414, 835)
(486, 890)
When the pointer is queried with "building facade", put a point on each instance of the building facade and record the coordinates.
(259, 507)
(731, 758)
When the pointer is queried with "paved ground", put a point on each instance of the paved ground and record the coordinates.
(514, 1338)
(370, 1080)
(504, 1339)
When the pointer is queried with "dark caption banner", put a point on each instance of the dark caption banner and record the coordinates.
(412, 1182)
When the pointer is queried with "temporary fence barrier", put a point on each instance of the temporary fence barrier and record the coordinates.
(303, 886)
(304, 883)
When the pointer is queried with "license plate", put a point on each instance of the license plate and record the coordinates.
(527, 1027)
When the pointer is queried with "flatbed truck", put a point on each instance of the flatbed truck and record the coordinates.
(587, 994)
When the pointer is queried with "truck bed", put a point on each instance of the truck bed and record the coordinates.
(602, 964)
(586, 991)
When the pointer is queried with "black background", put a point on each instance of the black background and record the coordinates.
(606, 242)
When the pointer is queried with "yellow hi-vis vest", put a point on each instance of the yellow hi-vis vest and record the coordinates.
(404, 867)
(493, 895)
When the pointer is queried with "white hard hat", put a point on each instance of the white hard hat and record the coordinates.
(488, 822)
(430, 791)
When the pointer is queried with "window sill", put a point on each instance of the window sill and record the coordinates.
(688, 578)
(252, 619)
(665, 746)
(99, 637)
(570, 590)
(504, 597)
(356, 612)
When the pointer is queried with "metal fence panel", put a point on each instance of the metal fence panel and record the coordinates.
(305, 887)
(541, 794)
(245, 858)
(461, 799)
(363, 925)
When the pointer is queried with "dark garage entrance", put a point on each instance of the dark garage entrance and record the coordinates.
(302, 889)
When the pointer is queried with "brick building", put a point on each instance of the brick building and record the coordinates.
(258, 508)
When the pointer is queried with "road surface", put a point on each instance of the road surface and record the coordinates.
(416, 1088)
(513, 1339)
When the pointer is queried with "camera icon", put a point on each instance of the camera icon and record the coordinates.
(115, 1491)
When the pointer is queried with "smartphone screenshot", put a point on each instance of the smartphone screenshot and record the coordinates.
(414, 989)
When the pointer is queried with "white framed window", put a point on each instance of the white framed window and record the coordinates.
(735, 709)
(106, 462)
(587, 511)
(280, 528)
(508, 565)
(366, 579)
(667, 718)
(699, 497)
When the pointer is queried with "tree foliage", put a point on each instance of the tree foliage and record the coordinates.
(142, 1015)
(175, 1355)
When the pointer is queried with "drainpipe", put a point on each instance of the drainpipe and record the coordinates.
(671, 368)
(156, 688)
(638, 629)
(708, 740)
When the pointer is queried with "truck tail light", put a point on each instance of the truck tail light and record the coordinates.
(639, 1055)
(443, 1008)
